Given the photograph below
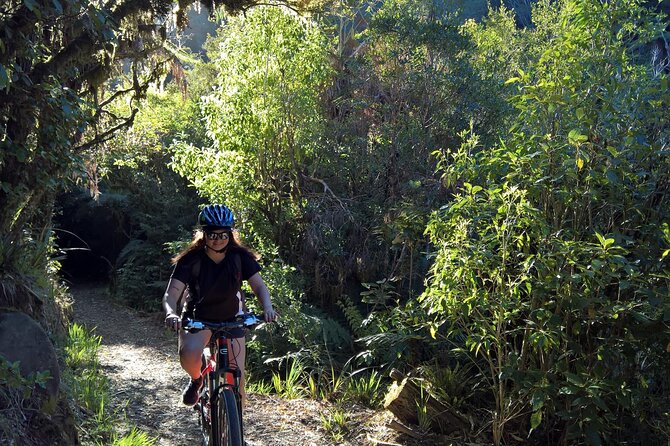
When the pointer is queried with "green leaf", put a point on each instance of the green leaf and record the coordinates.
(612, 151)
(537, 400)
(574, 379)
(4, 77)
(535, 419)
(600, 403)
(567, 390)
(575, 137)
(605, 243)
(32, 5)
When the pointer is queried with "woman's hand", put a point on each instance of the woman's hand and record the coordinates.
(261, 291)
(173, 322)
(270, 315)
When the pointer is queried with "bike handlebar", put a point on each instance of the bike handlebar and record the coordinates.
(246, 320)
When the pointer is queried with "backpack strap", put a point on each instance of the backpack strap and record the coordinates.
(193, 294)
(238, 269)
(238, 278)
(195, 279)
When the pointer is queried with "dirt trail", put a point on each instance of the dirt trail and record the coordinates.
(139, 357)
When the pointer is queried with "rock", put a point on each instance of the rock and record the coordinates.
(22, 339)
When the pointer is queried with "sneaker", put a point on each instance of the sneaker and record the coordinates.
(191, 392)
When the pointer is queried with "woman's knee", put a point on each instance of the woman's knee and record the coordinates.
(190, 347)
(187, 351)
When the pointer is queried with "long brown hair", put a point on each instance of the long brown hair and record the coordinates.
(198, 242)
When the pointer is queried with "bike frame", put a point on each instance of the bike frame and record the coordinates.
(222, 374)
(223, 379)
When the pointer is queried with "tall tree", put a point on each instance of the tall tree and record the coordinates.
(55, 57)
(266, 121)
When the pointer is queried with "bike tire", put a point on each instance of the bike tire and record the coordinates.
(226, 428)
(204, 412)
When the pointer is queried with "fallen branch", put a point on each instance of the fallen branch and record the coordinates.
(385, 443)
(399, 427)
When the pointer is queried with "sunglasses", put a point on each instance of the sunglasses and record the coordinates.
(217, 235)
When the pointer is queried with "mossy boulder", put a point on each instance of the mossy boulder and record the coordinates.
(23, 340)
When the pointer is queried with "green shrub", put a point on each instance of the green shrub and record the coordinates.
(549, 261)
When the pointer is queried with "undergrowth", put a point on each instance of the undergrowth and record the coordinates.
(90, 389)
(18, 401)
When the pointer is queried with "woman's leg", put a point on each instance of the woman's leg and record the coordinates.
(190, 351)
(238, 349)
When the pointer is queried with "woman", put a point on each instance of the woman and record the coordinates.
(213, 267)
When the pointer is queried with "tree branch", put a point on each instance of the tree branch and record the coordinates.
(327, 189)
(109, 133)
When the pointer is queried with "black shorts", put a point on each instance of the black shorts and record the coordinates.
(234, 333)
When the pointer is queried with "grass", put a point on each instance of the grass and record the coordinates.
(295, 380)
(292, 384)
(134, 438)
(335, 423)
(90, 389)
(259, 387)
(365, 386)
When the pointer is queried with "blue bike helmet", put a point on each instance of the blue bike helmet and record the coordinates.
(216, 216)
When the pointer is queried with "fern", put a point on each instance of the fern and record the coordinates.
(353, 315)
(334, 333)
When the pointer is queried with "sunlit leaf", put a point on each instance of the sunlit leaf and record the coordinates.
(536, 419)
(576, 137)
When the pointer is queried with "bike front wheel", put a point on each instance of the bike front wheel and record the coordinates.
(226, 428)
(204, 410)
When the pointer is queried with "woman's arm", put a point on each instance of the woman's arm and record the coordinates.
(263, 294)
(174, 291)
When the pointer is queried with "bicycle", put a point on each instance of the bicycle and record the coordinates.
(219, 406)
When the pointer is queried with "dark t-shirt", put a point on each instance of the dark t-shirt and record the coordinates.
(220, 298)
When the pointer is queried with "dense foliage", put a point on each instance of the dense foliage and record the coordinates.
(55, 57)
(549, 145)
(550, 270)
(480, 203)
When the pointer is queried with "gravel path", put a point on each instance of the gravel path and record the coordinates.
(139, 357)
